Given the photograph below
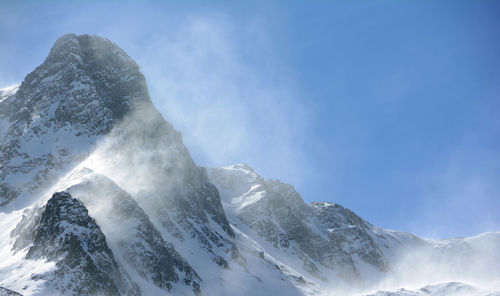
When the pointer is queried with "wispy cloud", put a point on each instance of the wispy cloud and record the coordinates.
(228, 110)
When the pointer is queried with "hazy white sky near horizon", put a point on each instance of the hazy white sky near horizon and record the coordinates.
(388, 108)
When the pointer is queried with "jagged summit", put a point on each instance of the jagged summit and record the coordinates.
(84, 88)
(86, 47)
(88, 76)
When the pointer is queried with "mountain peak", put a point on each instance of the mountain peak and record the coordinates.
(88, 49)
(84, 88)
(88, 80)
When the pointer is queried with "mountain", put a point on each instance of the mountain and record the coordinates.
(99, 196)
(340, 250)
(62, 231)
(55, 117)
(331, 242)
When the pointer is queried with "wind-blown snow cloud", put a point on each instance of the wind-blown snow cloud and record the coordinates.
(227, 111)
(216, 77)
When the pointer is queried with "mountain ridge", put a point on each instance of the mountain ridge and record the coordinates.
(82, 123)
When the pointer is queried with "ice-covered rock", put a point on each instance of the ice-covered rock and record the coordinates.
(85, 86)
(61, 231)
(136, 242)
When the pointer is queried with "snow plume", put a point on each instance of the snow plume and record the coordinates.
(473, 260)
(470, 262)
(212, 87)
(139, 151)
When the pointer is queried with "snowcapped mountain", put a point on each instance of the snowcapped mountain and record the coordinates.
(340, 251)
(99, 196)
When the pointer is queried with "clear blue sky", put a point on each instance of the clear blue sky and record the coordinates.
(390, 108)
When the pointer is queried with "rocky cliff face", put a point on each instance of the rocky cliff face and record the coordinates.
(322, 235)
(62, 232)
(85, 86)
(138, 244)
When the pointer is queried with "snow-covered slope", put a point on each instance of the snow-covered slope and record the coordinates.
(326, 240)
(338, 249)
(99, 196)
(138, 245)
(443, 289)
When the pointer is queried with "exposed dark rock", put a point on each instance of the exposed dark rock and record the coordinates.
(85, 86)
(62, 232)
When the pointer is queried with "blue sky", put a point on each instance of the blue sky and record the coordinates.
(390, 108)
